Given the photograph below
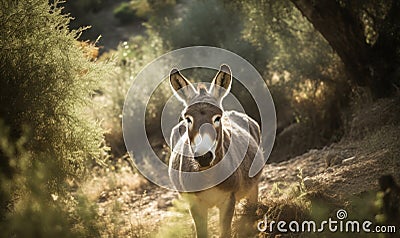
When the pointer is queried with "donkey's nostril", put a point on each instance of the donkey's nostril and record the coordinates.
(197, 154)
(204, 159)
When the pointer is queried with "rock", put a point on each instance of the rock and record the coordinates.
(103, 197)
(162, 203)
(332, 159)
(348, 160)
(329, 170)
(309, 182)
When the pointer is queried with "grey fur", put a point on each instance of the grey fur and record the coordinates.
(240, 137)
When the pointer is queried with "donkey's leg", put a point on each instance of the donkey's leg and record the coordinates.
(252, 198)
(226, 210)
(249, 218)
(199, 215)
(252, 201)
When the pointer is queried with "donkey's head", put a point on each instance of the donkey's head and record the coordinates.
(203, 112)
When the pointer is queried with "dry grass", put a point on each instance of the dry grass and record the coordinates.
(117, 190)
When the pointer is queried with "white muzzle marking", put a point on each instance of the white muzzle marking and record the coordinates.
(203, 144)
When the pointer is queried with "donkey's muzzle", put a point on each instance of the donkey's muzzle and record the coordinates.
(205, 159)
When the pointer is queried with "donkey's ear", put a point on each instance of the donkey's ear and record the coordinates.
(182, 88)
(221, 84)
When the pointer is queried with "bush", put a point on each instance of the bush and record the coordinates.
(47, 83)
(125, 13)
(34, 208)
(132, 56)
(209, 23)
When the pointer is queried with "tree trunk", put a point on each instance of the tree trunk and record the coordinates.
(366, 65)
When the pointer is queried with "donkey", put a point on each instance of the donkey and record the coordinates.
(206, 136)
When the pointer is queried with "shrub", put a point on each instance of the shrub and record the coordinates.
(132, 56)
(125, 13)
(47, 83)
(34, 208)
(209, 23)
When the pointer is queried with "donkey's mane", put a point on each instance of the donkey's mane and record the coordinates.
(202, 88)
(203, 96)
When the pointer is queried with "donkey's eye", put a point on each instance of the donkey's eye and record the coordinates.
(188, 120)
(217, 120)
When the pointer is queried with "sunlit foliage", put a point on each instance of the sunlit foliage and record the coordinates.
(47, 136)
(132, 56)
